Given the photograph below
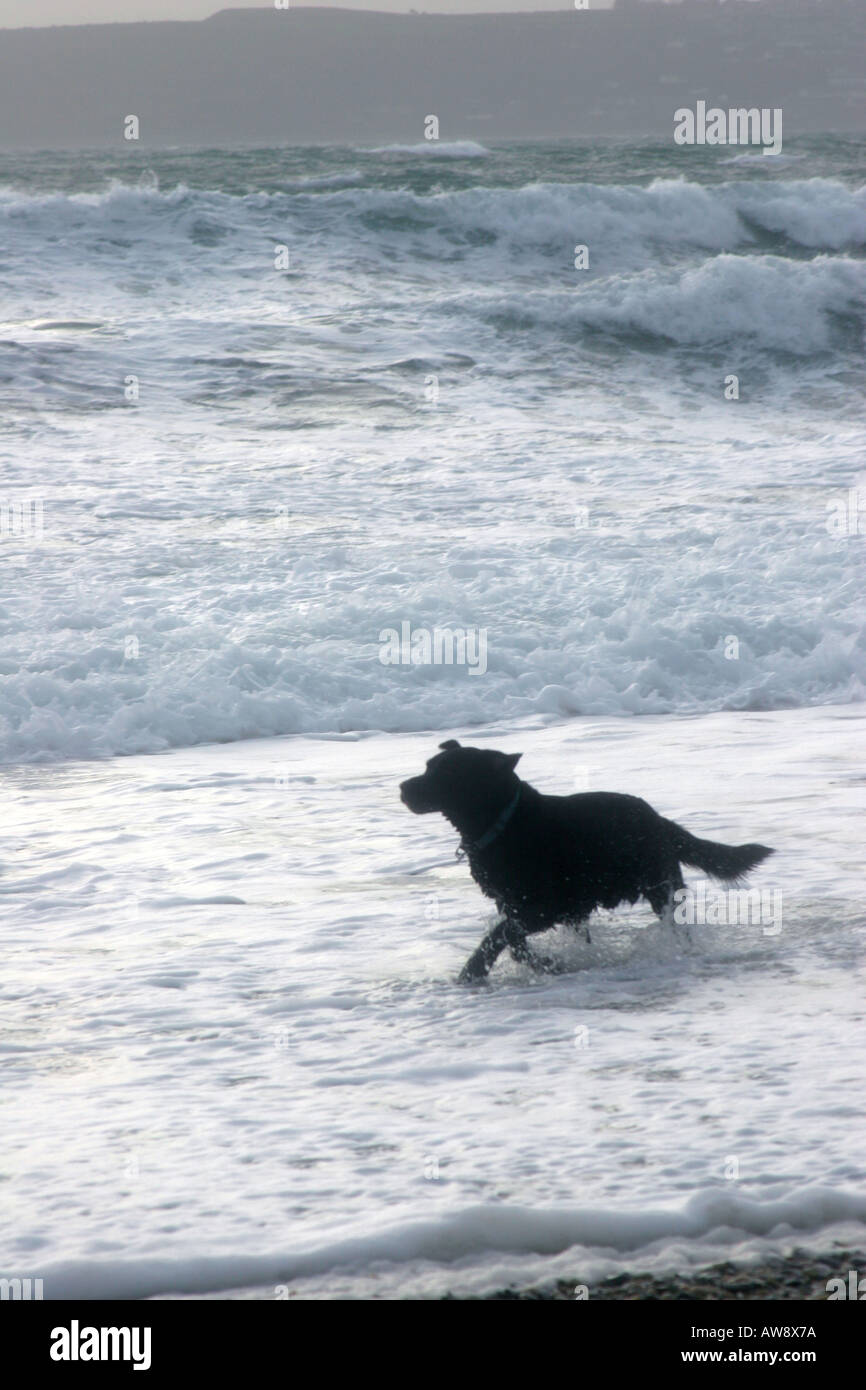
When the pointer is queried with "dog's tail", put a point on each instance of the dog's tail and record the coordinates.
(725, 862)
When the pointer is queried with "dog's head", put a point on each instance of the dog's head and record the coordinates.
(460, 780)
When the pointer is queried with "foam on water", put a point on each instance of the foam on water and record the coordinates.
(430, 417)
(441, 149)
(432, 1256)
(285, 628)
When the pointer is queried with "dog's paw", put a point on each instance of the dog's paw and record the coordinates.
(544, 965)
(473, 973)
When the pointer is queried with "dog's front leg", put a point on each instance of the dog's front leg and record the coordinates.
(481, 960)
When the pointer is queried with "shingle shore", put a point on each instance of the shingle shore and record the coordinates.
(800, 1275)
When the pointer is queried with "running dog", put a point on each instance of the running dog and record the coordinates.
(550, 859)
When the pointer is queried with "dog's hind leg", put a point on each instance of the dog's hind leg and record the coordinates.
(521, 951)
(662, 897)
(517, 943)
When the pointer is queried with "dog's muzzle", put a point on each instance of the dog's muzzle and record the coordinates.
(412, 795)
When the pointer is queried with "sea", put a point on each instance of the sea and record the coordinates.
(309, 459)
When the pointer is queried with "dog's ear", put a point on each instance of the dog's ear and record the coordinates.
(449, 744)
(512, 759)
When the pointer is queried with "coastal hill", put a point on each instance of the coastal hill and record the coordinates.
(329, 75)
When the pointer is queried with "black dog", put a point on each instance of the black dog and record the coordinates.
(550, 859)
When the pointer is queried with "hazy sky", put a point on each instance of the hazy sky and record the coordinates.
(18, 13)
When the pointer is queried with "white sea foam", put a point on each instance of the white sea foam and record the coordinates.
(596, 621)
(283, 489)
(467, 1237)
(443, 149)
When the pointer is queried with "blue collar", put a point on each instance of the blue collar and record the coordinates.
(496, 828)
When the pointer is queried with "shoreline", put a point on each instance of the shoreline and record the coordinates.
(801, 1276)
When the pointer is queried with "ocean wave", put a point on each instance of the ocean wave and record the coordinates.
(311, 182)
(764, 301)
(812, 214)
(443, 149)
(815, 213)
(759, 155)
(107, 675)
(457, 1238)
